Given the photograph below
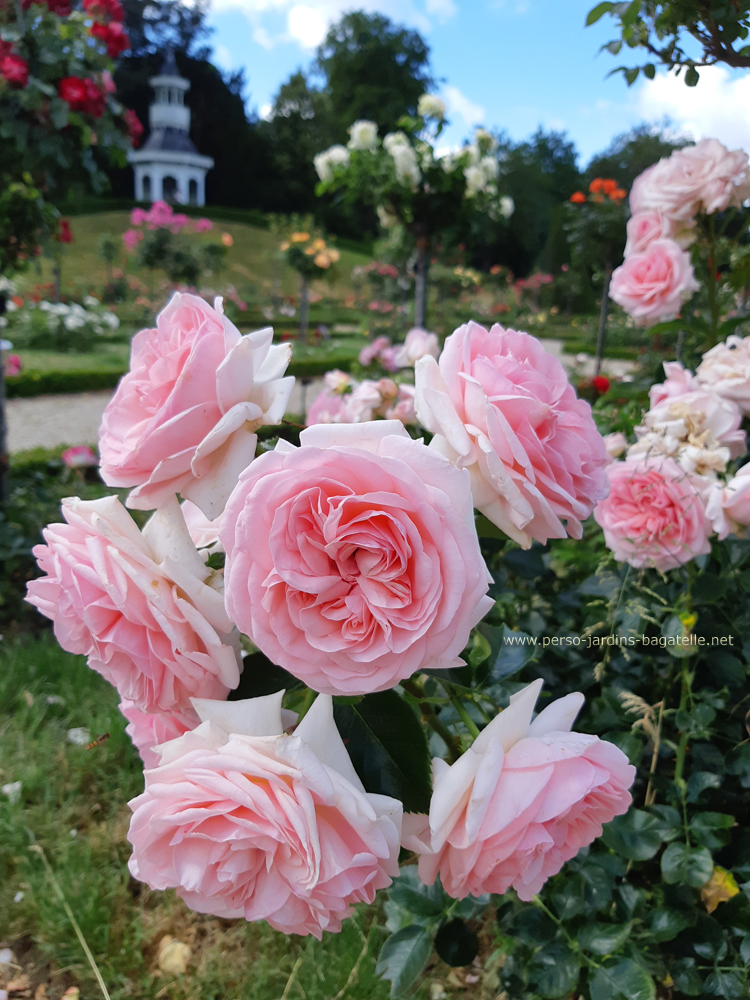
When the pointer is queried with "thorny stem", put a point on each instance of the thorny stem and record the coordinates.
(451, 740)
(684, 737)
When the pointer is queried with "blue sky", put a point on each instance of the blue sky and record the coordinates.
(510, 64)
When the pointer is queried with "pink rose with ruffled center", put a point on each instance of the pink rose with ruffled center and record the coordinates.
(499, 405)
(520, 802)
(246, 821)
(655, 514)
(706, 177)
(183, 419)
(139, 605)
(352, 561)
(148, 730)
(654, 285)
(645, 227)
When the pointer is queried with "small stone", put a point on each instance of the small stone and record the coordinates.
(174, 956)
(13, 791)
(437, 991)
(18, 897)
(55, 699)
(28, 698)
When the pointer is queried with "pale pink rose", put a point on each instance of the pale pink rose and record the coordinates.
(654, 285)
(403, 408)
(654, 514)
(246, 821)
(418, 344)
(645, 227)
(520, 802)
(147, 730)
(363, 403)
(203, 533)
(371, 351)
(615, 445)
(388, 359)
(706, 177)
(139, 605)
(728, 505)
(682, 410)
(327, 408)
(183, 420)
(725, 369)
(79, 457)
(338, 381)
(12, 365)
(499, 405)
(352, 561)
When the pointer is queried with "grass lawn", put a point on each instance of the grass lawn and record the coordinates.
(73, 804)
(251, 260)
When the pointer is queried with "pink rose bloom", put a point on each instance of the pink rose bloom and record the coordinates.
(147, 730)
(12, 364)
(520, 802)
(363, 403)
(403, 408)
(138, 216)
(499, 405)
(131, 237)
(418, 344)
(371, 351)
(204, 534)
(79, 457)
(706, 177)
(654, 514)
(725, 369)
(328, 408)
(183, 419)
(139, 605)
(244, 820)
(352, 561)
(389, 360)
(615, 445)
(203, 225)
(645, 227)
(653, 286)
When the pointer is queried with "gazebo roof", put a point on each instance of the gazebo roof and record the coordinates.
(169, 140)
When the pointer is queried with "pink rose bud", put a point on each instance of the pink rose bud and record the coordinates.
(79, 457)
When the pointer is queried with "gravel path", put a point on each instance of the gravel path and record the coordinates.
(50, 421)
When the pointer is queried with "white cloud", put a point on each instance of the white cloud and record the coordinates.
(459, 104)
(261, 36)
(718, 107)
(443, 10)
(307, 25)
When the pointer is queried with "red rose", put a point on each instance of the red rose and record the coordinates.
(135, 128)
(601, 383)
(62, 8)
(117, 40)
(99, 30)
(96, 99)
(73, 90)
(65, 235)
(15, 70)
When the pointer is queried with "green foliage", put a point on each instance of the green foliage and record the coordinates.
(719, 29)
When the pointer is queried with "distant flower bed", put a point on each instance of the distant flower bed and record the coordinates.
(58, 326)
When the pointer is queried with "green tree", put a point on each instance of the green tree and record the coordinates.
(373, 69)
(628, 155)
(669, 31)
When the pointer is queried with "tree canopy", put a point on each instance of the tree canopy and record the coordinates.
(668, 32)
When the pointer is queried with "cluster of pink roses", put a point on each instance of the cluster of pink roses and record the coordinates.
(353, 562)
(673, 490)
(656, 278)
(160, 216)
(344, 400)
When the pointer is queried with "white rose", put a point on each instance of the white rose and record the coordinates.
(486, 142)
(394, 140)
(490, 168)
(418, 344)
(407, 167)
(364, 135)
(475, 181)
(430, 106)
(325, 163)
(507, 206)
(725, 369)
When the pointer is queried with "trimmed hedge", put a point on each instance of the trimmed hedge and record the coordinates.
(36, 383)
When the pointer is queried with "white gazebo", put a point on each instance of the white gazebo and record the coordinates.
(169, 167)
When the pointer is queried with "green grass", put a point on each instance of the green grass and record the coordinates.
(251, 261)
(43, 693)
